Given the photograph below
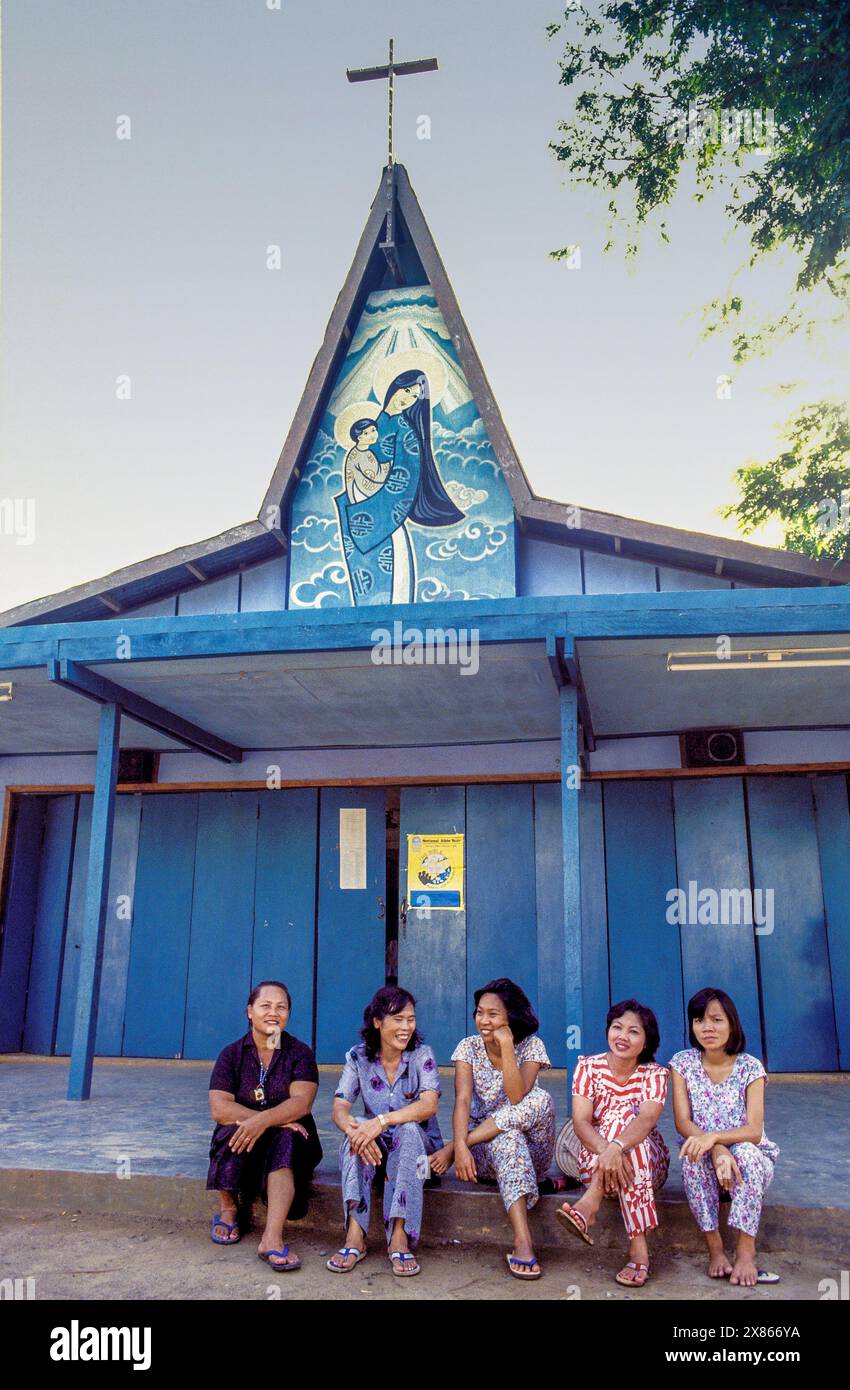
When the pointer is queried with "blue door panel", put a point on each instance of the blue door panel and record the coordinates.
(112, 996)
(833, 824)
(432, 942)
(640, 870)
(222, 922)
(19, 919)
(352, 923)
(794, 958)
(549, 906)
(711, 851)
(594, 920)
(285, 899)
(500, 876)
(54, 876)
(74, 928)
(162, 911)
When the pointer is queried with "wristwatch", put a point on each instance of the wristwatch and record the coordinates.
(382, 1121)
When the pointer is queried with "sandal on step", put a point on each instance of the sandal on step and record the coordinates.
(527, 1265)
(228, 1226)
(346, 1251)
(284, 1265)
(635, 1280)
(574, 1221)
(404, 1271)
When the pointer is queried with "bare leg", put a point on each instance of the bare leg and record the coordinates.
(280, 1192)
(483, 1133)
(745, 1271)
(226, 1208)
(398, 1239)
(518, 1217)
(718, 1265)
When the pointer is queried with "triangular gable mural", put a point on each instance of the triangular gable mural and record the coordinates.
(401, 498)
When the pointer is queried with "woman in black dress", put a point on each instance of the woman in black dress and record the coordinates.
(265, 1141)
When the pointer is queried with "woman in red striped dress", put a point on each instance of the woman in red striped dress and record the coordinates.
(618, 1097)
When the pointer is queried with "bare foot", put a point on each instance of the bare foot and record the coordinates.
(718, 1265)
(744, 1272)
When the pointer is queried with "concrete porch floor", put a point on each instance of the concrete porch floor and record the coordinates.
(149, 1119)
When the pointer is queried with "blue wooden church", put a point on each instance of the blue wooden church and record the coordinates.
(416, 722)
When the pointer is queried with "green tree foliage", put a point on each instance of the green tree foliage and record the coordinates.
(807, 485)
(659, 83)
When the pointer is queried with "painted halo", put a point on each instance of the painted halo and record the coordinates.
(413, 360)
(360, 410)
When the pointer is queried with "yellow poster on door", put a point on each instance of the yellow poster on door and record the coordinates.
(435, 871)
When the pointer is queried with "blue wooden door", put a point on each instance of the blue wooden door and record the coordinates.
(219, 978)
(501, 909)
(19, 919)
(74, 928)
(54, 877)
(118, 927)
(351, 961)
(794, 956)
(432, 941)
(285, 899)
(645, 953)
(711, 851)
(162, 911)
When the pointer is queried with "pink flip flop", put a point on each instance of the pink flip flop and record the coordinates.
(574, 1221)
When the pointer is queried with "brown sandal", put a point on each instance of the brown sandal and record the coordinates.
(633, 1281)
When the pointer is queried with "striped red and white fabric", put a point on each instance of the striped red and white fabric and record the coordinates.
(615, 1104)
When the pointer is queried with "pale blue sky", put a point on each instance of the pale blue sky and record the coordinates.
(147, 257)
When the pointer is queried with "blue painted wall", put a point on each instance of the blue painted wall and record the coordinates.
(223, 890)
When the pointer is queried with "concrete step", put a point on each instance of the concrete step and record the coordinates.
(453, 1212)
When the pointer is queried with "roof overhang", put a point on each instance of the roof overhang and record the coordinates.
(293, 679)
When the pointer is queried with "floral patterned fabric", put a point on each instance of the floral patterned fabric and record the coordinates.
(521, 1155)
(721, 1106)
(405, 1147)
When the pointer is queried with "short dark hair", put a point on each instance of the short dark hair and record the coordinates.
(359, 426)
(647, 1018)
(391, 999)
(697, 1006)
(277, 984)
(522, 1020)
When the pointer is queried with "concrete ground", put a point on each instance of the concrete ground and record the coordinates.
(73, 1257)
(105, 1199)
(154, 1117)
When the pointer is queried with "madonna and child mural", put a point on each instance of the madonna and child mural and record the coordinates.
(401, 499)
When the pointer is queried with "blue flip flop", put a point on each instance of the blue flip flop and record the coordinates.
(345, 1252)
(528, 1265)
(228, 1225)
(279, 1269)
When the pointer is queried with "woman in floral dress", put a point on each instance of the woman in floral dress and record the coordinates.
(618, 1097)
(503, 1121)
(396, 1075)
(718, 1103)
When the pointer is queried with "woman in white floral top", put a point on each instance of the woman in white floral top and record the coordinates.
(503, 1122)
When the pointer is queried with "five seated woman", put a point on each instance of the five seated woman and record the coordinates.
(266, 1144)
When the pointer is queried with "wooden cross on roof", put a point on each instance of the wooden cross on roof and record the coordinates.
(391, 70)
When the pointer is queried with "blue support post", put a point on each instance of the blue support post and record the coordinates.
(97, 888)
(570, 792)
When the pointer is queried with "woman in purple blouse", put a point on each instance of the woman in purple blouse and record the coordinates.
(395, 1074)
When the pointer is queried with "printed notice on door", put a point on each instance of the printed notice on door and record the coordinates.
(352, 847)
(435, 871)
